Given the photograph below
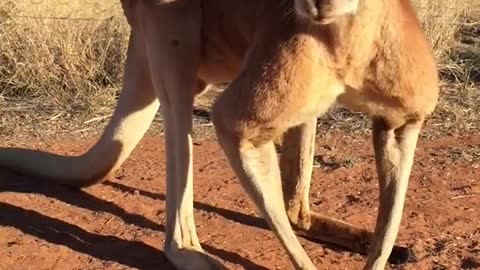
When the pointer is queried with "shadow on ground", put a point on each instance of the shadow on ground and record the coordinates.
(109, 248)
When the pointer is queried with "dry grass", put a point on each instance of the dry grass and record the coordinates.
(453, 27)
(443, 21)
(70, 52)
(68, 55)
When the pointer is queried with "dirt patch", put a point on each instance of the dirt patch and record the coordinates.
(119, 224)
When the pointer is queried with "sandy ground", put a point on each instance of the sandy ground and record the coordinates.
(119, 224)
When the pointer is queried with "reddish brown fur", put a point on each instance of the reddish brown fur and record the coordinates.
(285, 70)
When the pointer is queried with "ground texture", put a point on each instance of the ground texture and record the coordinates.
(119, 224)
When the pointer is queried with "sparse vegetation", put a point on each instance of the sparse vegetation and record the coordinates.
(70, 52)
(67, 58)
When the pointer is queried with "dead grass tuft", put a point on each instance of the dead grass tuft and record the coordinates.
(70, 52)
(449, 24)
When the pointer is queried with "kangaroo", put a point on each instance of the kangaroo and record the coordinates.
(287, 62)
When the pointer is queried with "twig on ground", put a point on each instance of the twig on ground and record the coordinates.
(96, 119)
(55, 116)
(464, 196)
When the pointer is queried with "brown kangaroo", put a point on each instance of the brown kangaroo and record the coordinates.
(288, 61)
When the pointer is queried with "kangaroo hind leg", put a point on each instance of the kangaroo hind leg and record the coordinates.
(172, 34)
(394, 153)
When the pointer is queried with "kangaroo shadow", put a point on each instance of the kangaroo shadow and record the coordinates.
(130, 253)
(110, 248)
(399, 254)
(228, 214)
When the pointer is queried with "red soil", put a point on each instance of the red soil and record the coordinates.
(119, 224)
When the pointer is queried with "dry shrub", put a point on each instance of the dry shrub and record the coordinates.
(71, 52)
(448, 25)
(442, 21)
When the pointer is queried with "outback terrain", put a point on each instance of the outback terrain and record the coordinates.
(57, 91)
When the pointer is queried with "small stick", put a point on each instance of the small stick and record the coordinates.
(97, 119)
(464, 196)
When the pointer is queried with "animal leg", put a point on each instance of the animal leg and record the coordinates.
(296, 162)
(254, 160)
(172, 34)
(257, 168)
(394, 154)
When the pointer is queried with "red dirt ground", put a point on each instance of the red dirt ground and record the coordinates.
(118, 224)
